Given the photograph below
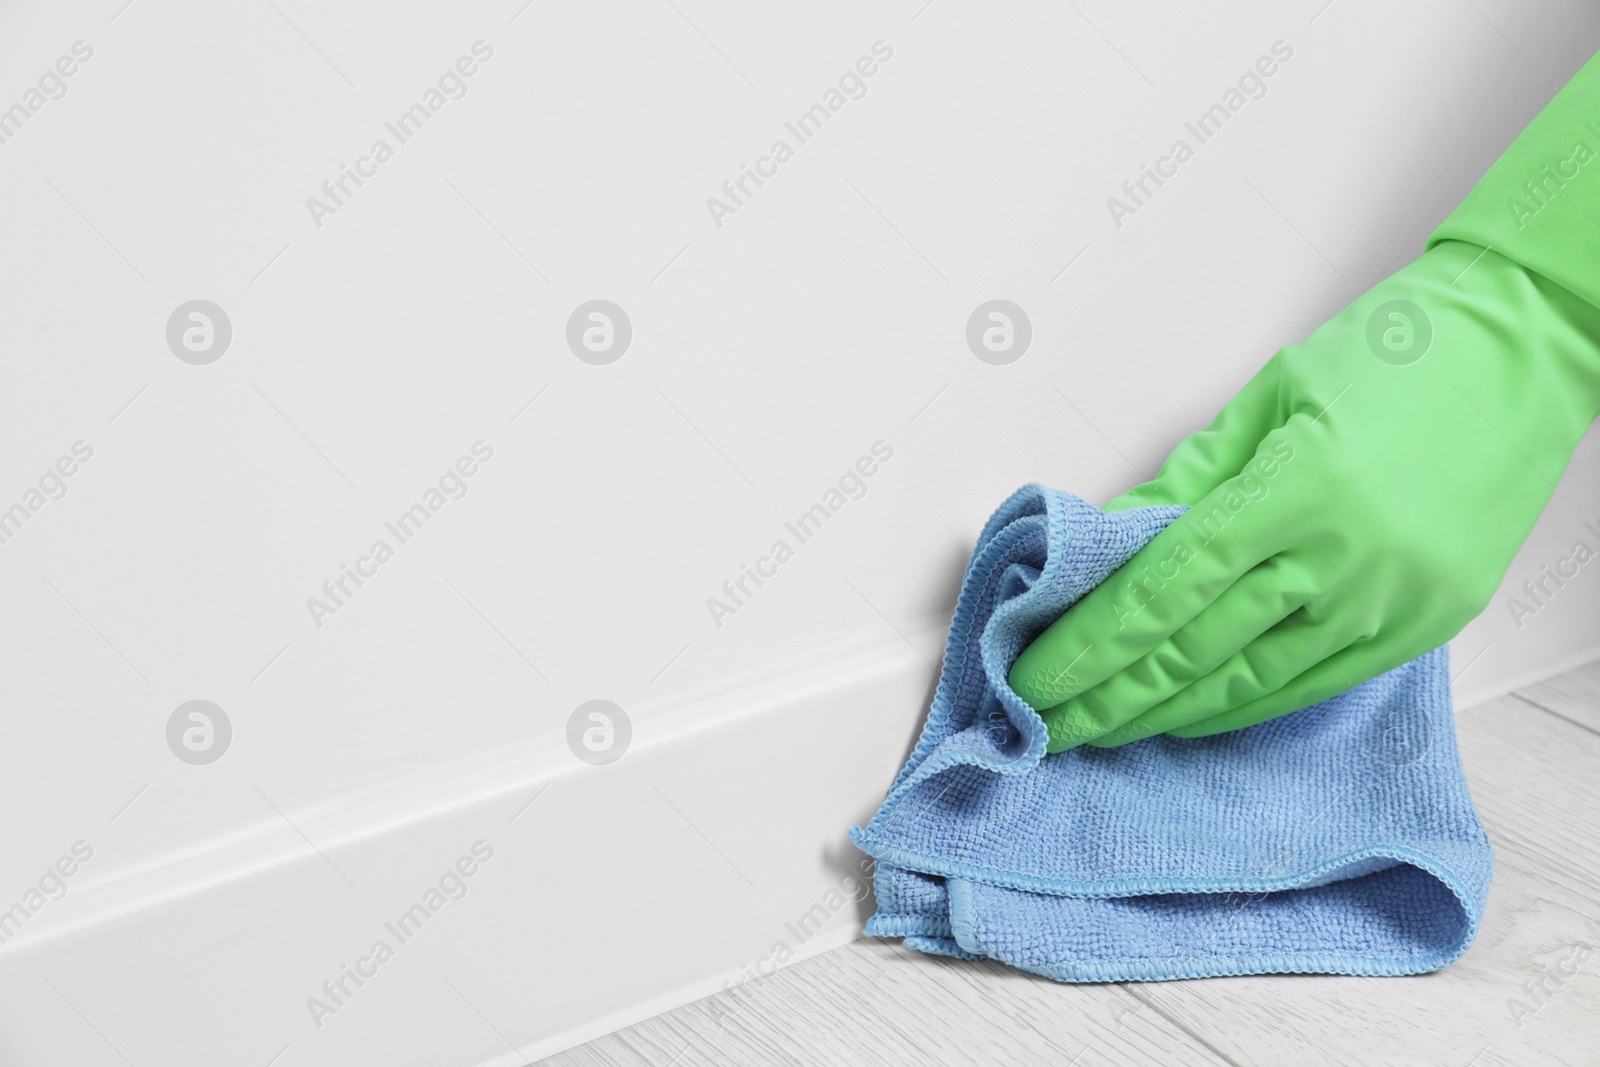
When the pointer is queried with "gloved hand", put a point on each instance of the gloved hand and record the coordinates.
(1361, 498)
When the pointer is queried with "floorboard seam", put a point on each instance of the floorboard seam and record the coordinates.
(1552, 711)
(1192, 1034)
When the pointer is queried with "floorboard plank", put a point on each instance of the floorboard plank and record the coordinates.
(1574, 696)
(876, 1004)
(1527, 992)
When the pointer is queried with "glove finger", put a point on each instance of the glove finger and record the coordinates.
(1110, 713)
(1207, 458)
(1340, 673)
(1251, 678)
(1166, 584)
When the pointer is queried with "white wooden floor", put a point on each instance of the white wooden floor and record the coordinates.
(1533, 760)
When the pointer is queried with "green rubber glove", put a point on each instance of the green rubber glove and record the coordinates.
(1361, 498)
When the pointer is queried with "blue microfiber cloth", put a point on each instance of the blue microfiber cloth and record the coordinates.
(1339, 839)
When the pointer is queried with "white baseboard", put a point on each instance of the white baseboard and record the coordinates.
(620, 892)
(1499, 685)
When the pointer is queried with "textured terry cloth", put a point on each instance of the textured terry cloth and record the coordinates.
(1339, 839)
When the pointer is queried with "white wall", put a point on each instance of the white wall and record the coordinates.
(768, 354)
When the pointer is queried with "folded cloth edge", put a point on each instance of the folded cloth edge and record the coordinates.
(952, 935)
